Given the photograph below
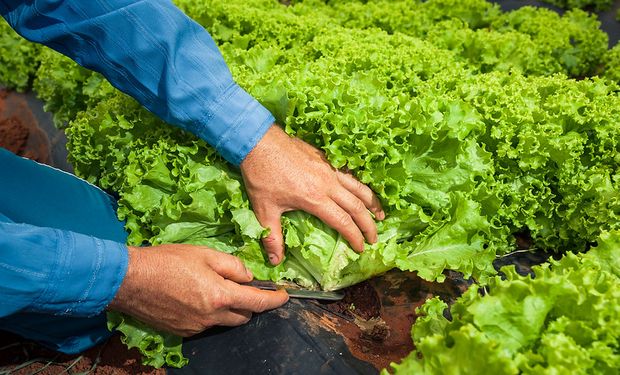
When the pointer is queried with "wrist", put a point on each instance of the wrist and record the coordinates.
(270, 141)
(129, 286)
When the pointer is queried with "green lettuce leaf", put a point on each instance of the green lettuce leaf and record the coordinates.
(18, 59)
(564, 319)
(157, 348)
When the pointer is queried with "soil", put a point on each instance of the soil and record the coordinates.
(375, 317)
(360, 301)
(19, 129)
(106, 359)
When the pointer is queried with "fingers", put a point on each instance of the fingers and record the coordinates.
(245, 300)
(357, 210)
(339, 219)
(363, 192)
(228, 266)
(255, 300)
(233, 317)
(274, 242)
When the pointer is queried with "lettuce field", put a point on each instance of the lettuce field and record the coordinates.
(470, 123)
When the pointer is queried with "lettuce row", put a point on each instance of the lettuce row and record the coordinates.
(534, 41)
(564, 319)
(460, 158)
(555, 153)
(552, 141)
(18, 59)
(611, 64)
(598, 5)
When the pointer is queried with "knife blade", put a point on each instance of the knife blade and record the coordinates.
(295, 292)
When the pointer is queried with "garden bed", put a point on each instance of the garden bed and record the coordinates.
(372, 325)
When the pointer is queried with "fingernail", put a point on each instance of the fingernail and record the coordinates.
(249, 273)
(273, 259)
(381, 215)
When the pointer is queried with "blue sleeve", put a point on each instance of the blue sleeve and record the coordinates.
(58, 272)
(152, 51)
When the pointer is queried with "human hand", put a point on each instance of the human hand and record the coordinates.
(185, 289)
(284, 174)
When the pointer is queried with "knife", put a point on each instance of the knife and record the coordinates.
(295, 292)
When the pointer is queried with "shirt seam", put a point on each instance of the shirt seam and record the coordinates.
(94, 273)
(109, 62)
(216, 107)
(48, 290)
(233, 129)
(239, 117)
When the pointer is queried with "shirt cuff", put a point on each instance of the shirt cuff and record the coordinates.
(87, 274)
(237, 124)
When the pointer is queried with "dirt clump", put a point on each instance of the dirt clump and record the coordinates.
(13, 135)
(19, 130)
(375, 317)
(360, 301)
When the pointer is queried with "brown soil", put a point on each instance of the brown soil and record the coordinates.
(19, 130)
(376, 316)
(360, 301)
(107, 359)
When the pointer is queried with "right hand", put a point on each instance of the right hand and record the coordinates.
(284, 174)
(185, 289)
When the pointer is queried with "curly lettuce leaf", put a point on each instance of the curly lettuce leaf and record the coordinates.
(157, 348)
(19, 59)
(563, 320)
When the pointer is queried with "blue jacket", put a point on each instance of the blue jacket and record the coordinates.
(152, 51)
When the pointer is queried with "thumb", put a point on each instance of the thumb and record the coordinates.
(274, 242)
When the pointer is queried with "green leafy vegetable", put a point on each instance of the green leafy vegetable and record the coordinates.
(564, 319)
(611, 67)
(459, 116)
(535, 41)
(67, 88)
(156, 348)
(597, 5)
(18, 59)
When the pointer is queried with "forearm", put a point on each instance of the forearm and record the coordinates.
(58, 272)
(153, 52)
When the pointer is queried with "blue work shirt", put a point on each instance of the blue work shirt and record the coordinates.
(59, 272)
(152, 51)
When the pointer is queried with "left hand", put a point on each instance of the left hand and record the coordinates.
(185, 289)
(283, 174)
